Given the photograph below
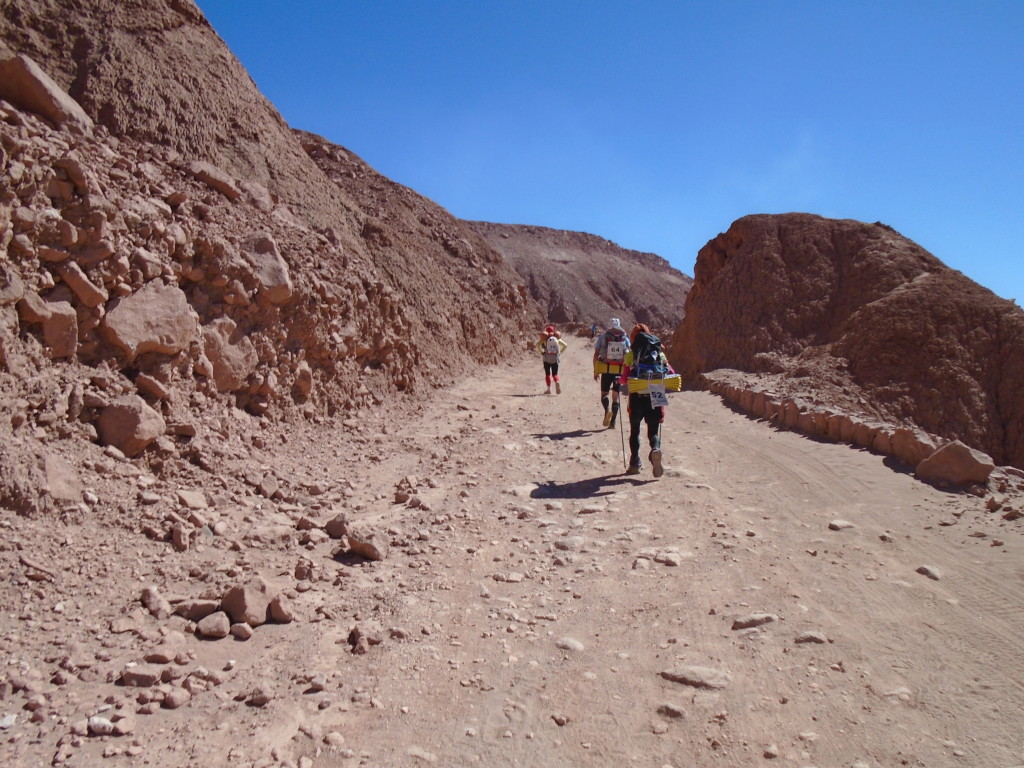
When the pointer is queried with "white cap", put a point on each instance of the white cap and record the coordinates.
(614, 323)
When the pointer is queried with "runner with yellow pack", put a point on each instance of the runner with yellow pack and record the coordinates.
(609, 353)
(647, 376)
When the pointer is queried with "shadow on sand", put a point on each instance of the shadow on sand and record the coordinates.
(585, 489)
(567, 435)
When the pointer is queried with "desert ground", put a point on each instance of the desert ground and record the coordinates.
(770, 599)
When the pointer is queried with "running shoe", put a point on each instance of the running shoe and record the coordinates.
(655, 457)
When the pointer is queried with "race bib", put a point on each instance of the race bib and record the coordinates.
(615, 352)
(658, 396)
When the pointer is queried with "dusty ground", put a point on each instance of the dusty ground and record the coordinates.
(530, 610)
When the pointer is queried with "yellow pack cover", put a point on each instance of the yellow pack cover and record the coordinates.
(602, 367)
(673, 383)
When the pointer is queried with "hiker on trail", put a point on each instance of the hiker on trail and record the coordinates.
(593, 330)
(609, 354)
(645, 359)
(550, 346)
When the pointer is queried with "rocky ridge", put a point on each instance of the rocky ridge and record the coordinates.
(583, 279)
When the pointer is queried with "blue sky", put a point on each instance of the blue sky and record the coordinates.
(657, 124)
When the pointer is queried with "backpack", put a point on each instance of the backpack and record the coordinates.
(647, 355)
(613, 350)
(551, 346)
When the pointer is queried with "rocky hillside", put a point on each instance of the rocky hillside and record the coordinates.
(585, 279)
(856, 317)
(161, 268)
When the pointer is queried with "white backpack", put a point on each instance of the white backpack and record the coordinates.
(551, 347)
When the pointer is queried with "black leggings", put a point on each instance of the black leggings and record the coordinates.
(550, 369)
(641, 410)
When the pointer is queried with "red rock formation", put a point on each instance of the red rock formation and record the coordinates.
(863, 318)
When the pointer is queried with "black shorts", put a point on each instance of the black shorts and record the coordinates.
(609, 382)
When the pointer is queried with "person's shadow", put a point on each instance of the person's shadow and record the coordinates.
(567, 435)
(585, 489)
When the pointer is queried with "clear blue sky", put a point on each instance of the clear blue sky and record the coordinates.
(657, 124)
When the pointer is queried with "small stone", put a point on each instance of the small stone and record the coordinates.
(334, 739)
(569, 644)
(698, 677)
(280, 610)
(260, 696)
(810, 637)
(560, 719)
(840, 525)
(141, 675)
(670, 710)
(930, 571)
(216, 626)
(125, 726)
(754, 620)
(569, 544)
(100, 726)
(177, 697)
(421, 754)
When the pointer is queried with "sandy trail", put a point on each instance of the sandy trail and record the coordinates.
(539, 606)
(556, 591)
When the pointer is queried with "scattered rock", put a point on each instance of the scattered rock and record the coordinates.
(569, 644)
(840, 525)
(368, 544)
(810, 637)
(214, 626)
(671, 711)
(698, 677)
(754, 620)
(130, 425)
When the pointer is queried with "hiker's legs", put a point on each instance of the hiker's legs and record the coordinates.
(636, 417)
(607, 385)
(653, 433)
(615, 403)
(547, 374)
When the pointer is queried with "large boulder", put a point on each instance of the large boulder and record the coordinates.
(130, 425)
(268, 267)
(231, 354)
(24, 83)
(157, 318)
(61, 480)
(58, 319)
(956, 463)
(248, 603)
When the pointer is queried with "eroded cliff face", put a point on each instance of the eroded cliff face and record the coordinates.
(862, 318)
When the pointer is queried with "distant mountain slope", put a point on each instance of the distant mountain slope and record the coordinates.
(858, 316)
(582, 278)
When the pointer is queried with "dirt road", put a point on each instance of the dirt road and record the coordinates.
(761, 601)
